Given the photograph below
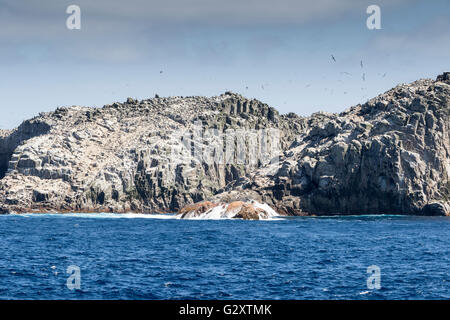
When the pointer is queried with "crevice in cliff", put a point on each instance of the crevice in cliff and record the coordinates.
(27, 130)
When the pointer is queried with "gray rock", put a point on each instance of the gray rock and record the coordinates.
(389, 155)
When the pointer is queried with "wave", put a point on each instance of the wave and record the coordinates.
(101, 215)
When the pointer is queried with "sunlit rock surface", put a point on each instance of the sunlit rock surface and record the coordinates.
(389, 155)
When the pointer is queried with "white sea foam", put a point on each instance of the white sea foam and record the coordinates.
(272, 213)
(103, 215)
(364, 292)
(217, 213)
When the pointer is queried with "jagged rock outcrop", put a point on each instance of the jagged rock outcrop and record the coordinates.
(389, 155)
(132, 156)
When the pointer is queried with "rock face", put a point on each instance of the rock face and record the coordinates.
(387, 156)
(390, 155)
(127, 156)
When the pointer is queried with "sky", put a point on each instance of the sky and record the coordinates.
(280, 52)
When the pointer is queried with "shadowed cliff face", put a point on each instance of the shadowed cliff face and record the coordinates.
(390, 155)
(10, 140)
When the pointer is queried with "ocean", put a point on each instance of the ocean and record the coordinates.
(160, 257)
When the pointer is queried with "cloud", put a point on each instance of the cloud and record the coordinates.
(196, 12)
(139, 30)
(431, 40)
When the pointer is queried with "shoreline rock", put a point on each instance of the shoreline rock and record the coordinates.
(251, 210)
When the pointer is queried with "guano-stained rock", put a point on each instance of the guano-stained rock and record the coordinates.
(389, 155)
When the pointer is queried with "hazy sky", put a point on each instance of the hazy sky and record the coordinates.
(276, 51)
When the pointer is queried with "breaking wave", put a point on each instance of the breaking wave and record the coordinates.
(224, 211)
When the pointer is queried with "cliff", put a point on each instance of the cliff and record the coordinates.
(389, 155)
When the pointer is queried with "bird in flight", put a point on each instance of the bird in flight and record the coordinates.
(334, 59)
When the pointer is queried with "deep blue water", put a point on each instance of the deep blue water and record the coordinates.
(297, 258)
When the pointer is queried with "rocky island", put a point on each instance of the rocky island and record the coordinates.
(390, 155)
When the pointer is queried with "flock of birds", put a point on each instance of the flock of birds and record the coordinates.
(362, 67)
(333, 58)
